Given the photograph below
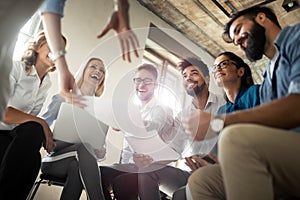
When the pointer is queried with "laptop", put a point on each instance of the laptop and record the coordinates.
(75, 125)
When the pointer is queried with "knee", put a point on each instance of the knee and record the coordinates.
(31, 131)
(84, 149)
(234, 139)
(197, 178)
(129, 192)
(29, 136)
(180, 194)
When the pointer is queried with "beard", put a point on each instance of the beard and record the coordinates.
(196, 90)
(256, 43)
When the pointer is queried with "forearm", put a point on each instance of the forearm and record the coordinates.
(281, 113)
(15, 116)
(52, 26)
(123, 14)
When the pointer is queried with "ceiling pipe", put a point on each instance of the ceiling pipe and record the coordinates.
(202, 7)
(233, 9)
(221, 8)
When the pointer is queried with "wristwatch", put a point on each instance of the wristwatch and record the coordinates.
(217, 124)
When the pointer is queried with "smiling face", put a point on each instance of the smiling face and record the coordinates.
(145, 85)
(94, 73)
(193, 80)
(228, 73)
(43, 53)
(249, 36)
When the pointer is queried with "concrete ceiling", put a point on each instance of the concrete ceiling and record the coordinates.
(202, 21)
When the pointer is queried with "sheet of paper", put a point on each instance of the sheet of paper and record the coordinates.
(153, 146)
(123, 116)
(75, 125)
(101, 108)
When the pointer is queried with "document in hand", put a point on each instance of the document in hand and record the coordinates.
(76, 125)
(153, 146)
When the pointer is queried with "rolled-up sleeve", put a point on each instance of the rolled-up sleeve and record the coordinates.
(53, 6)
(294, 87)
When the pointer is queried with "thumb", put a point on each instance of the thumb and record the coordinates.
(104, 31)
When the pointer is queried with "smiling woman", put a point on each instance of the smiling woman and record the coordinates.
(77, 161)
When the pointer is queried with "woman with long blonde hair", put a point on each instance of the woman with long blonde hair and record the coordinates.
(76, 162)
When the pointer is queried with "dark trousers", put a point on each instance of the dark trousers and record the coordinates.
(129, 182)
(108, 176)
(20, 159)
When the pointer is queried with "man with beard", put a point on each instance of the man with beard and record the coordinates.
(142, 175)
(259, 147)
(196, 78)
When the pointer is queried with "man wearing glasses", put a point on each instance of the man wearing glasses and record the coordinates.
(259, 150)
(146, 176)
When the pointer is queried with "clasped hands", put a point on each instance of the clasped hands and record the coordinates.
(142, 160)
(196, 161)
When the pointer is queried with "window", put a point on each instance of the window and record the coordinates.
(27, 32)
(165, 52)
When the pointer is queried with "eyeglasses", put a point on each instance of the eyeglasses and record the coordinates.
(221, 65)
(145, 81)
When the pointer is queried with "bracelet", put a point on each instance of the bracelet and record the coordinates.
(57, 54)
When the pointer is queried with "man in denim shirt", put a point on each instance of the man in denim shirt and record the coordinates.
(258, 150)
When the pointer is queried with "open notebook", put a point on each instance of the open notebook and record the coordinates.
(76, 125)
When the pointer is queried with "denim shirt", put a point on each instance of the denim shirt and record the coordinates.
(53, 6)
(53, 108)
(285, 78)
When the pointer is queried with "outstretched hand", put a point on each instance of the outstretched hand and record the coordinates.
(126, 36)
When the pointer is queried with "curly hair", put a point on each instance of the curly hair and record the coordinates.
(30, 55)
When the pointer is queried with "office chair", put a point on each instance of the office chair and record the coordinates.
(51, 180)
(45, 179)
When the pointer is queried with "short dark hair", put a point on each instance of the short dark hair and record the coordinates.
(249, 13)
(150, 68)
(192, 61)
(247, 79)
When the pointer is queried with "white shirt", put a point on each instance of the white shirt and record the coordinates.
(214, 102)
(27, 92)
(159, 118)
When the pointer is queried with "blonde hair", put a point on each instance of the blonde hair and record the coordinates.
(30, 55)
(100, 88)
